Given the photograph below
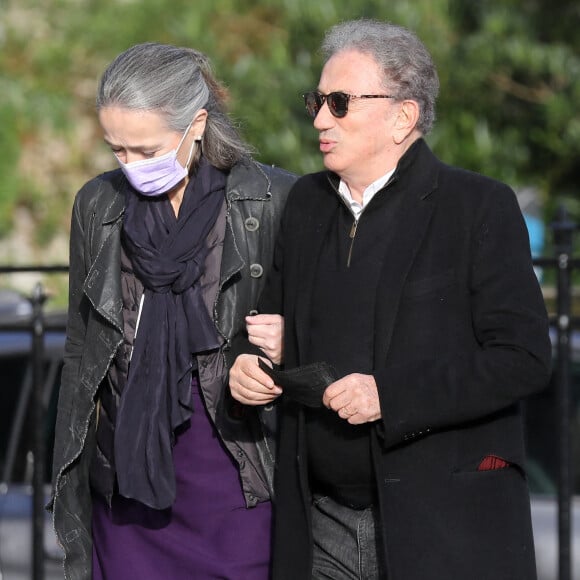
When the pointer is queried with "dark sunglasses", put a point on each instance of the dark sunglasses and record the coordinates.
(337, 102)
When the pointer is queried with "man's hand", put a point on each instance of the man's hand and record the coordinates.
(355, 398)
(266, 331)
(249, 384)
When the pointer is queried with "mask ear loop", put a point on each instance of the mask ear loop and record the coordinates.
(190, 156)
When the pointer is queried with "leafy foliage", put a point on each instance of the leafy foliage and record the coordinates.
(510, 77)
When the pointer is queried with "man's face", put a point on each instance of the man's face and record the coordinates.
(357, 147)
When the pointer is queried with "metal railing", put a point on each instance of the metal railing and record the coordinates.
(563, 229)
(38, 327)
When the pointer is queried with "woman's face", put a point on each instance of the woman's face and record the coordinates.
(134, 135)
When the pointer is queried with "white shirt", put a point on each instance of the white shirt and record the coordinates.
(355, 207)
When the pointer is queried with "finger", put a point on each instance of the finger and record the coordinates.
(246, 373)
(252, 390)
(263, 319)
(336, 402)
(255, 373)
(260, 340)
(357, 419)
(257, 381)
(337, 388)
(272, 333)
(254, 400)
(347, 411)
(250, 397)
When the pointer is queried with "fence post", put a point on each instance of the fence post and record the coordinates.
(38, 499)
(563, 229)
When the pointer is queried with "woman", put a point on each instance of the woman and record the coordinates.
(157, 474)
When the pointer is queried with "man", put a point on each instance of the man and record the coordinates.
(413, 280)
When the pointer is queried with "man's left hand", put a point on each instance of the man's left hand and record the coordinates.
(355, 398)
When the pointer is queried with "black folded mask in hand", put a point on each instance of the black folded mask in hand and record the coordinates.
(306, 384)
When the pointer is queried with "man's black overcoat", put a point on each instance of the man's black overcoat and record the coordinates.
(461, 336)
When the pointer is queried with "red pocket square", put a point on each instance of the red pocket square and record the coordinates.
(491, 462)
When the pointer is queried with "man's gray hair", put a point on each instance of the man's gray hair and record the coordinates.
(408, 69)
(174, 82)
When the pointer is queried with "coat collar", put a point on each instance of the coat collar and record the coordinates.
(102, 285)
(248, 180)
(423, 183)
(117, 185)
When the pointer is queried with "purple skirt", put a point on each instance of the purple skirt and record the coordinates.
(207, 534)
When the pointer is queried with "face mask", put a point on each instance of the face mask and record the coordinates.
(157, 175)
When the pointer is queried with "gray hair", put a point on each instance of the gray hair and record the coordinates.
(408, 69)
(175, 82)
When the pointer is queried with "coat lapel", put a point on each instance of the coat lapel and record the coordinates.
(310, 249)
(411, 227)
(103, 284)
(409, 233)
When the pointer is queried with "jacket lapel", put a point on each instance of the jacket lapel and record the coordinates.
(103, 284)
(310, 249)
(415, 214)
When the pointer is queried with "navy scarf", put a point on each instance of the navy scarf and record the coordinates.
(168, 256)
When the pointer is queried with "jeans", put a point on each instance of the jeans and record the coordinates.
(345, 542)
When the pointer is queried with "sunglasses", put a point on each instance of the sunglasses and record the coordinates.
(337, 102)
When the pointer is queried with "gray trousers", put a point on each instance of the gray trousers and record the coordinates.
(345, 542)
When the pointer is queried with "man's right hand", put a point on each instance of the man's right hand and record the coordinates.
(249, 384)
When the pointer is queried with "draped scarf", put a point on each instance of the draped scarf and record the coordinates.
(168, 256)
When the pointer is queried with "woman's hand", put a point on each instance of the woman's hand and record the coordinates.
(266, 331)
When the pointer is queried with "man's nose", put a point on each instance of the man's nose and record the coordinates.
(324, 119)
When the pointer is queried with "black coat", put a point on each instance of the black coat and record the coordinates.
(461, 336)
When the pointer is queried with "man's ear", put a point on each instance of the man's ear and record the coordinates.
(406, 121)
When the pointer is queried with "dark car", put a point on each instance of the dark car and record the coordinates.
(17, 429)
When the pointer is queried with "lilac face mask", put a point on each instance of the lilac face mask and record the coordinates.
(157, 175)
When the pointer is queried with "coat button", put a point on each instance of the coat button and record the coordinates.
(252, 224)
(256, 270)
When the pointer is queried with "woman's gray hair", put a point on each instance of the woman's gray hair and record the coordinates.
(176, 83)
(408, 69)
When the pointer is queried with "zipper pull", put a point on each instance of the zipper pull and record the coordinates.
(351, 235)
(353, 229)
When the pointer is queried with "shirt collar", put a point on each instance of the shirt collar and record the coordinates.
(355, 207)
